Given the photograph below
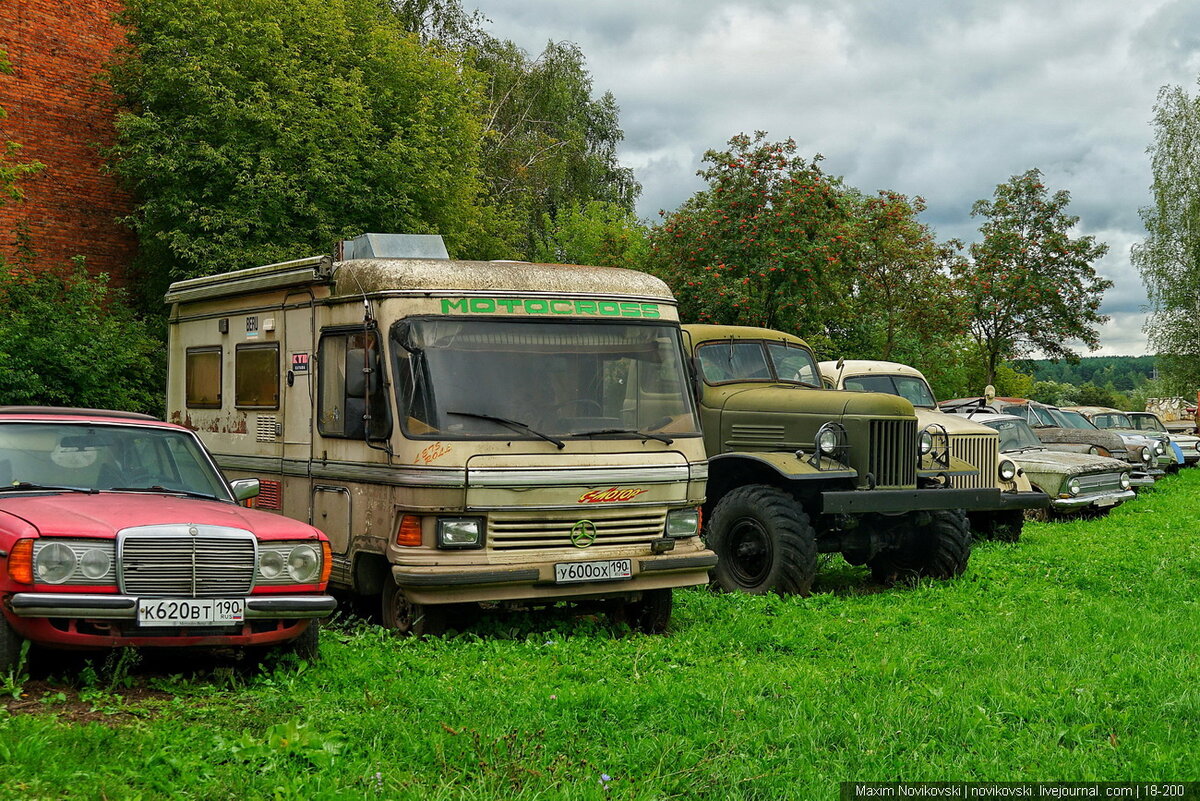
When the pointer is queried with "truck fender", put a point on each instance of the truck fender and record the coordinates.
(788, 466)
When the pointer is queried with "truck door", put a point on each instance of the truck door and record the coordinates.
(299, 399)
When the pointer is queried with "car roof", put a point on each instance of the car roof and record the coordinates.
(78, 415)
(1090, 410)
(868, 366)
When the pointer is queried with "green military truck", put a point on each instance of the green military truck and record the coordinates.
(796, 470)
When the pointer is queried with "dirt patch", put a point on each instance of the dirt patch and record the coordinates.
(110, 707)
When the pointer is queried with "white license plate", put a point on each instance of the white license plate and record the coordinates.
(611, 570)
(190, 611)
(1106, 501)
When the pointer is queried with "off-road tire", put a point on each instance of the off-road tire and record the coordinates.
(764, 542)
(10, 646)
(938, 548)
(1001, 526)
(651, 614)
(308, 644)
(409, 619)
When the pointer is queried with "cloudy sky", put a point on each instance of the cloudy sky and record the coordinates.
(938, 98)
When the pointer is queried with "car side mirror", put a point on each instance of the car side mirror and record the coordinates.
(244, 489)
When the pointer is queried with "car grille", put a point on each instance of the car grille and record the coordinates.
(979, 451)
(1095, 483)
(515, 532)
(188, 561)
(893, 453)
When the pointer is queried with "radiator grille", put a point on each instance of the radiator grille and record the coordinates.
(170, 561)
(893, 453)
(980, 451)
(1094, 483)
(513, 532)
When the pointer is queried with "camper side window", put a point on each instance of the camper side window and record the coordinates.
(203, 378)
(351, 387)
(256, 376)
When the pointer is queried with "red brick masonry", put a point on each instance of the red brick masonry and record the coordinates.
(60, 114)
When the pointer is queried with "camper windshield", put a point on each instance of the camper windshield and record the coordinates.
(503, 379)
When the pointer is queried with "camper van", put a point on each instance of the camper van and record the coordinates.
(464, 432)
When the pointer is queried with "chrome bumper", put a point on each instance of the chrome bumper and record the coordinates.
(124, 607)
(1102, 500)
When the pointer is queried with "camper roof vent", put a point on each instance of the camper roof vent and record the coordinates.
(394, 246)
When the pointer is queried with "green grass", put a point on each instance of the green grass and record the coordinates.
(1070, 656)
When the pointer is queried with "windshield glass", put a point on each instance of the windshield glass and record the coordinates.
(1074, 420)
(495, 379)
(912, 389)
(1112, 420)
(103, 457)
(774, 362)
(1015, 435)
(1147, 422)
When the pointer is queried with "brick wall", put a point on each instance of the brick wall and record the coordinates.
(60, 114)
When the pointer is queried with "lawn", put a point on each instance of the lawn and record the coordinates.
(1070, 656)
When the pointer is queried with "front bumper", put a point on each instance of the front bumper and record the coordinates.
(1023, 500)
(124, 607)
(888, 501)
(1102, 500)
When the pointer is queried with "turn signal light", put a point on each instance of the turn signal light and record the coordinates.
(326, 561)
(20, 562)
(409, 533)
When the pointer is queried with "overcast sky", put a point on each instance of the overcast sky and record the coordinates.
(938, 98)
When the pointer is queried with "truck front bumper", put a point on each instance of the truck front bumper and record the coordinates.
(1023, 500)
(909, 500)
(124, 607)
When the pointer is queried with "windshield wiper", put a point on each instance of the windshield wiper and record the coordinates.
(26, 486)
(643, 434)
(512, 424)
(169, 491)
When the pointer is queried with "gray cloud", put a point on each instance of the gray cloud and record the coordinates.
(943, 98)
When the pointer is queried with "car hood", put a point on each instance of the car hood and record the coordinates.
(1064, 462)
(103, 515)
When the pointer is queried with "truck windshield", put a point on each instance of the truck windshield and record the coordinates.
(501, 379)
(777, 362)
(912, 389)
(1015, 435)
(106, 457)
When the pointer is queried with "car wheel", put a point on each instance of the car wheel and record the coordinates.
(10, 646)
(763, 541)
(308, 644)
(410, 619)
(931, 545)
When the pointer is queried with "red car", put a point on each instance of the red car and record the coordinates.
(117, 529)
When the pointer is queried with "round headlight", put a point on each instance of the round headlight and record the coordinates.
(827, 441)
(95, 563)
(270, 564)
(1125, 482)
(303, 563)
(1147, 457)
(55, 563)
(1159, 449)
(1073, 486)
(1008, 470)
(925, 442)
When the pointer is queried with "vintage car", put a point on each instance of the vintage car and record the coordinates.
(1188, 444)
(1076, 482)
(1114, 420)
(117, 529)
(1061, 430)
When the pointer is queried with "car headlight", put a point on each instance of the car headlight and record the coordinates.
(290, 562)
(1125, 481)
(827, 441)
(55, 562)
(1096, 450)
(1159, 449)
(683, 523)
(271, 564)
(1008, 470)
(1073, 486)
(95, 563)
(303, 564)
(925, 442)
(1147, 457)
(459, 532)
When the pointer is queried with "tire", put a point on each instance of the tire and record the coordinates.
(308, 645)
(10, 646)
(937, 546)
(1001, 526)
(763, 541)
(410, 619)
(650, 615)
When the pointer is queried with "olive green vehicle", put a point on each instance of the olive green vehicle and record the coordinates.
(796, 469)
(464, 432)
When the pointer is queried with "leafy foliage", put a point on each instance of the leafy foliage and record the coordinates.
(11, 171)
(1029, 285)
(1169, 257)
(599, 232)
(255, 130)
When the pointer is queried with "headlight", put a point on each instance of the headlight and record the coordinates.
(1159, 449)
(271, 564)
(1008, 470)
(1147, 457)
(95, 563)
(459, 532)
(1125, 482)
(683, 523)
(827, 441)
(55, 563)
(1096, 450)
(1073, 486)
(303, 564)
(925, 442)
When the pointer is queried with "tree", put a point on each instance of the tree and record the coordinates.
(1169, 257)
(1029, 285)
(259, 130)
(765, 244)
(599, 232)
(11, 171)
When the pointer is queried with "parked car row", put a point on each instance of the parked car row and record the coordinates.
(434, 435)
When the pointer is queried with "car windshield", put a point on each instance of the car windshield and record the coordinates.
(1147, 422)
(1112, 420)
(1015, 435)
(504, 379)
(1074, 419)
(774, 362)
(103, 456)
(912, 389)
